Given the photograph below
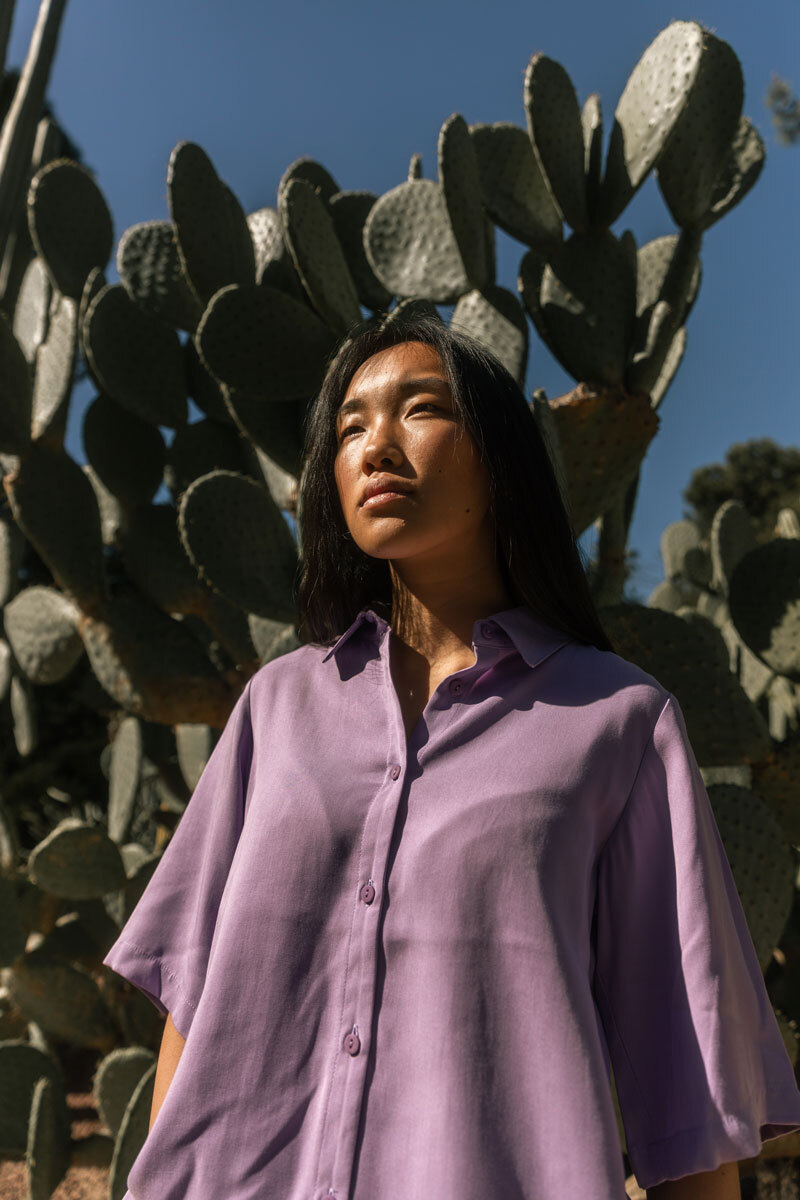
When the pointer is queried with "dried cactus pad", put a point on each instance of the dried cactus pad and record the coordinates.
(603, 434)
(264, 342)
(461, 182)
(411, 245)
(514, 189)
(317, 255)
(70, 223)
(136, 359)
(764, 600)
(556, 133)
(151, 272)
(214, 239)
(494, 316)
(255, 569)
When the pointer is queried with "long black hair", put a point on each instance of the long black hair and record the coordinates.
(538, 554)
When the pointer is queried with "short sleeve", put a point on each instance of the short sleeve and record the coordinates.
(701, 1070)
(164, 946)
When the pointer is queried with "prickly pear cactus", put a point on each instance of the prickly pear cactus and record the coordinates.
(130, 626)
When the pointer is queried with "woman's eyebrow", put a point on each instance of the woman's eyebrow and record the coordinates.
(408, 385)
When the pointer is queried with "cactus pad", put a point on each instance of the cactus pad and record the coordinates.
(135, 358)
(349, 211)
(264, 342)
(151, 272)
(70, 224)
(461, 183)
(317, 254)
(689, 658)
(214, 240)
(256, 569)
(514, 190)
(41, 626)
(495, 317)
(764, 600)
(411, 245)
(556, 133)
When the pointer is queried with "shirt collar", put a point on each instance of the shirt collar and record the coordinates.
(518, 627)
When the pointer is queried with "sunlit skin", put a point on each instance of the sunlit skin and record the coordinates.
(440, 542)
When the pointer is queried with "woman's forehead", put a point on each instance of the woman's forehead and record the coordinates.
(395, 363)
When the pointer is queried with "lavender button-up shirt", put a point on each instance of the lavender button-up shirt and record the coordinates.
(404, 967)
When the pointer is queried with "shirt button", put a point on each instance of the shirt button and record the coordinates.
(395, 771)
(352, 1043)
(455, 686)
(368, 893)
(487, 631)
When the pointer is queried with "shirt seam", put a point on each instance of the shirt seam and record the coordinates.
(142, 953)
(635, 778)
(598, 972)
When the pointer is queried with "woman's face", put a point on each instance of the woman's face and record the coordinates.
(405, 427)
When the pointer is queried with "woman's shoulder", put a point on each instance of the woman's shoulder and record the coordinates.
(597, 676)
(292, 666)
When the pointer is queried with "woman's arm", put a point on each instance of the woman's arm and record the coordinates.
(171, 1049)
(721, 1184)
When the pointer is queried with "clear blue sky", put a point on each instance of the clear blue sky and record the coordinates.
(362, 86)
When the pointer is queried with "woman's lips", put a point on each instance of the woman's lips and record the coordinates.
(385, 498)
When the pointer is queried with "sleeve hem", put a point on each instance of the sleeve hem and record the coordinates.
(154, 978)
(692, 1151)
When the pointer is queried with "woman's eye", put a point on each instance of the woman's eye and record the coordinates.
(422, 404)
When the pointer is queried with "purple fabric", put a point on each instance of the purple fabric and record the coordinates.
(404, 970)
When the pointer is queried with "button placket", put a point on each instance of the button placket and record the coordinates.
(348, 1072)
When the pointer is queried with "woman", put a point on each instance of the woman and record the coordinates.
(452, 858)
